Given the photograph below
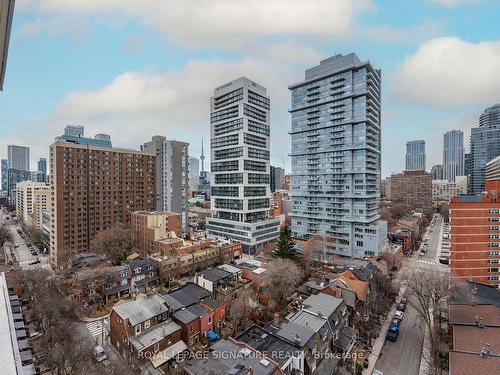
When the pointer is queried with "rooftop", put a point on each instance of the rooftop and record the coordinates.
(323, 303)
(467, 314)
(214, 274)
(186, 295)
(141, 310)
(226, 357)
(153, 335)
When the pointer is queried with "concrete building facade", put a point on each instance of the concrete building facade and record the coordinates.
(194, 173)
(415, 156)
(95, 188)
(240, 186)
(444, 190)
(413, 188)
(25, 197)
(19, 157)
(336, 157)
(172, 176)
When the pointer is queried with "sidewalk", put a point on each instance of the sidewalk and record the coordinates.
(380, 341)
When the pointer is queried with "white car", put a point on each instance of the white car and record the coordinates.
(99, 354)
(399, 315)
(377, 372)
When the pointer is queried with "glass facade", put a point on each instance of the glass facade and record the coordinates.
(336, 157)
(484, 146)
(415, 156)
(453, 155)
(240, 167)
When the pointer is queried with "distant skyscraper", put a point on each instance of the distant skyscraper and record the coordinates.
(437, 172)
(239, 155)
(5, 174)
(172, 177)
(336, 157)
(277, 177)
(194, 173)
(453, 155)
(42, 167)
(19, 157)
(415, 156)
(484, 146)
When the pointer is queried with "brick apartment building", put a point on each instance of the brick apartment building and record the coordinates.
(475, 233)
(148, 228)
(95, 188)
(413, 188)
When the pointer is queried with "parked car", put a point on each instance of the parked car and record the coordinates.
(396, 321)
(377, 372)
(392, 333)
(443, 260)
(399, 315)
(402, 307)
(36, 261)
(99, 354)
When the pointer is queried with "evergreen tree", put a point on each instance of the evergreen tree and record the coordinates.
(285, 247)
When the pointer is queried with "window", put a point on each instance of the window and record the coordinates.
(147, 324)
(209, 320)
(359, 243)
(137, 329)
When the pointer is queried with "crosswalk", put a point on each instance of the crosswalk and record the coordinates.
(426, 261)
(96, 328)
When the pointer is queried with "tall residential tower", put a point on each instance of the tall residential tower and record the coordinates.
(415, 156)
(336, 157)
(19, 157)
(484, 146)
(453, 154)
(239, 155)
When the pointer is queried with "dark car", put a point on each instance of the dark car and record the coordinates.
(402, 307)
(444, 261)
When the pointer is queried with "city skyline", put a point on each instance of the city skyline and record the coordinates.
(159, 70)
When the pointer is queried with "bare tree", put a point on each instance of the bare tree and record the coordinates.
(5, 235)
(115, 243)
(241, 307)
(444, 210)
(89, 285)
(427, 292)
(280, 280)
(382, 295)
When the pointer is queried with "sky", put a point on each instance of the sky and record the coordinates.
(134, 69)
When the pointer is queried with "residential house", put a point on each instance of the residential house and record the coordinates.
(144, 275)
(231, 357)
(289, 357)
(194, 321)
(223, 284)
(143, 330)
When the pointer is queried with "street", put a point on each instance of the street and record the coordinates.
(403, 356)
(22, 252)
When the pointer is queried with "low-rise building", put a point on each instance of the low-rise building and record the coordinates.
(142, 330)
(144, 275)
(231, 357)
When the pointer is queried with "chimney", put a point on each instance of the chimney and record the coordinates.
(296, 339)
(338, 293)
(481, 323)
(320, 313)
(276, 319)
(487, 349)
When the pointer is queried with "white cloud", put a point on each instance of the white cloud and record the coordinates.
(137, 105)
(217, 22)
(449, 72)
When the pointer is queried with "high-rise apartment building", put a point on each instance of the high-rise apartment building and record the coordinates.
(484, 146)
(42, 165)
(5, 174)
(475, 232)
(25, 197)
(239, 155)
(15, 176)
(41, 206)
(415, 156)
(95, 188)
(19, 157)
(413, 188)
(194, 173)
(437, 172)
(336, 157)
(172, 176)
(453, 155)
(277, 178)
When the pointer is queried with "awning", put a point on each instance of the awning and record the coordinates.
(160, 358)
